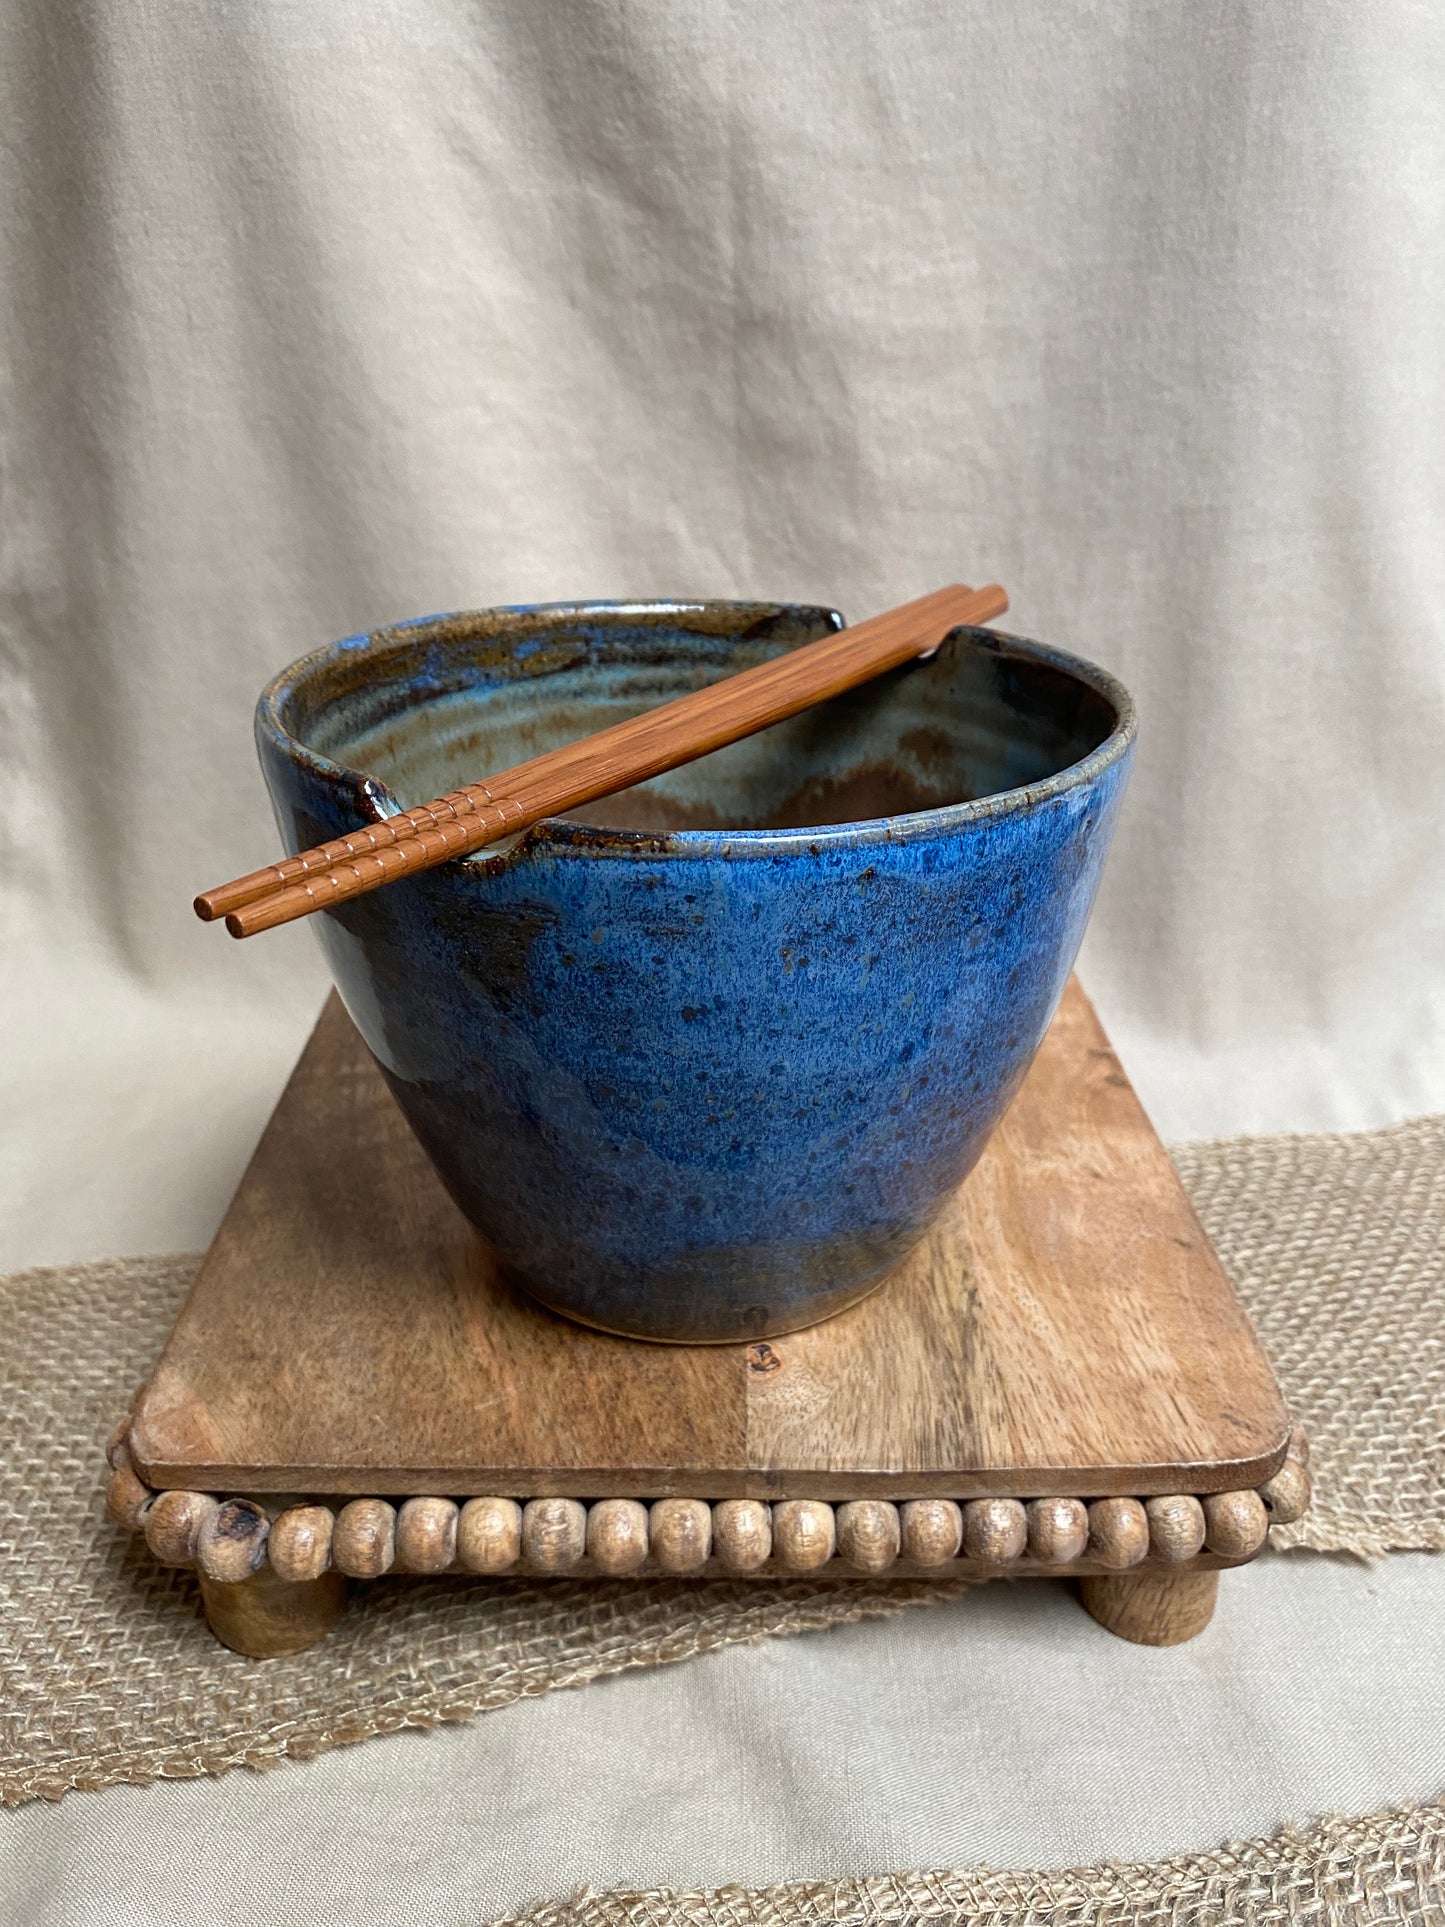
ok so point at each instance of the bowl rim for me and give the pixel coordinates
(564, 837)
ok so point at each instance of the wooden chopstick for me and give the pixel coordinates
(477, 799)
(598, 765)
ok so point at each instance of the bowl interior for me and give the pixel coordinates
(445, 703)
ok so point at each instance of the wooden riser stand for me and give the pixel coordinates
(1060, 1382)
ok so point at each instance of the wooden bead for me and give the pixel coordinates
(300, 1542)
(1287, 1494)
(995, 1531)
(231, 1543)
(1058, 1530)
(1299, 1445)
(554, 1533)
(1176, 1528)
(742, 1534)
(1118, 1533)
(1235, 1524)
(869, 1534)
(117, 1446)
(127, 1498)
(173, 1525)
(804, 1534)
(426, 1535)
(363, 1541)
(931, 1530)
(489, 1535)
(681, 1531)
(617, 1535)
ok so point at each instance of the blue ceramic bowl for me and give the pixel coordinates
(705, 1062)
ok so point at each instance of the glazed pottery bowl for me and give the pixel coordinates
(704, 1063)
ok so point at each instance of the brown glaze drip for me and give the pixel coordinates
(876, 789)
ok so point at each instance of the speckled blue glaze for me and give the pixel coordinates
(707, 1083)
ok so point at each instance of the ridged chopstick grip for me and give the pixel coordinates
(629, 752)
(460, 804)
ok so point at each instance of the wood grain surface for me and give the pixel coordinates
(1065, 1329)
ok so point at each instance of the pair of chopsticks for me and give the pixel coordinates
(599, 765)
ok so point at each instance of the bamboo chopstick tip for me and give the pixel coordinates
(283, 906)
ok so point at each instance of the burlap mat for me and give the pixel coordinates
(1337, 1247)
(1384, 1871)
(108, 1674)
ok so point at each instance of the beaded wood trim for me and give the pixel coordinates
(229, 1539)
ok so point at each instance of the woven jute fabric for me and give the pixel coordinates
(1384, 1871)
(108, 1674)
(108, 1671)
(1336, 1244)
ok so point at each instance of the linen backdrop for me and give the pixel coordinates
(318, 317)
(315, 317)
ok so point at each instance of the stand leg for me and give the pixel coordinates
(1153, 1608)
(264, 1616)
